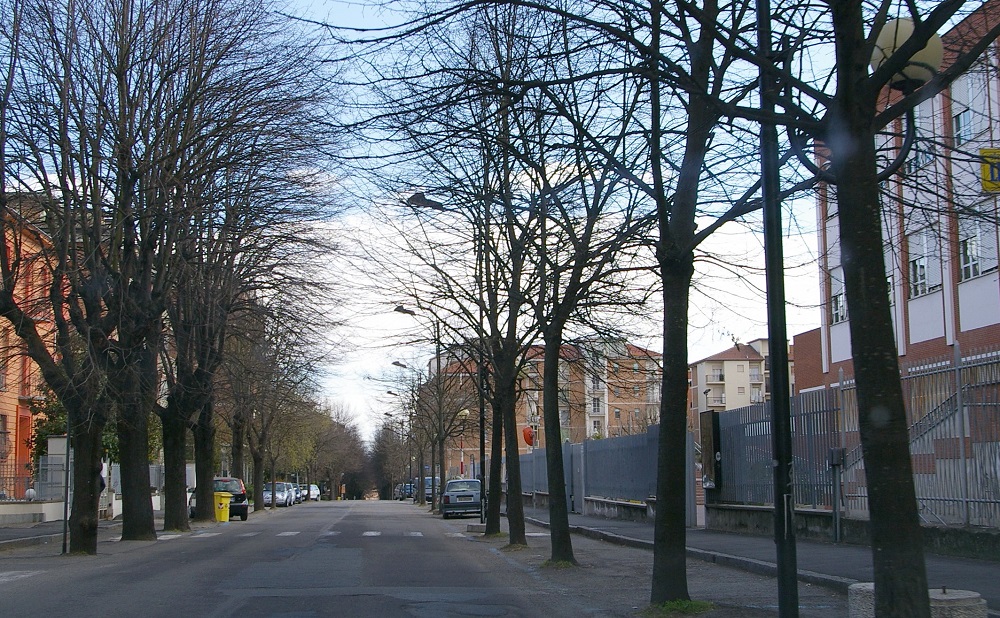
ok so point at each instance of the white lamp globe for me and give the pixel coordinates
(922, 65)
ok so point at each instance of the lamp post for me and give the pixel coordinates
(917, 71)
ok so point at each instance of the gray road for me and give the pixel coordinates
(318, 559)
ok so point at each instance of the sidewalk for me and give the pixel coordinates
(827, 564)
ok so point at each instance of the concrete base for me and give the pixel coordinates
(945, 603)
(480, 528)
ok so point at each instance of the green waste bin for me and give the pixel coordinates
(222, 499)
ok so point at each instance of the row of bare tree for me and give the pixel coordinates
(161, 186)
(580, 152)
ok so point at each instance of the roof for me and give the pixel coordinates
(740, 351)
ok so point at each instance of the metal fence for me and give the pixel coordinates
(953, 412)
(622, 468)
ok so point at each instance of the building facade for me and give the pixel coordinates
(939, 227)
(605, 390)
(20, 381)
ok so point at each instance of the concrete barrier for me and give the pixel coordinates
(945, 602)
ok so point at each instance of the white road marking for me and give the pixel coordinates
(331, 533)
(455, 535)
(287, 533)
(414, 534)
(167, 537)
(248, 534)
(372, 533)
(9, 576)
(202, 535)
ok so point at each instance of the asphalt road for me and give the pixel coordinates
(365, 558)
(316, 559)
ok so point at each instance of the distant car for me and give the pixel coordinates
(297, 492)
(283, 494)
(430, 484)
(406, 491)
(461, 496)
(239, 504)
(310, 492)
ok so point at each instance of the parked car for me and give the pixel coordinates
(405, 491)
(461, 496)
(309, 492)
(430, 484)
(239, 504)
(283, 494)
(297, 492)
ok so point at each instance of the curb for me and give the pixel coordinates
(30, 541)
(760, 567)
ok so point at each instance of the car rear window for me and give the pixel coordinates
(463, 486)
(230, 485)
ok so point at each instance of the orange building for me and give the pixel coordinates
(19, 379)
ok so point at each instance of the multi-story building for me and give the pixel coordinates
(605, 390)
(940, 228)
(19, 379)
(732, 378)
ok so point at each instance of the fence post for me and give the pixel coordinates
(963, 468)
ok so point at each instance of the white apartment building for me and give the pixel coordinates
(731, 379)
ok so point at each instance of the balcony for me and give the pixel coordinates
(756, 376)
(715, 377)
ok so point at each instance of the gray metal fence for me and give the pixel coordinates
(622, 468)
(953, 410)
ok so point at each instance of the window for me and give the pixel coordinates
(977, 247)
(925, 263)
(597, 428)
(595, 382)
(838, 309)
(755, 395)
(838, 300)
(618, 413)
(740, 369)
(969, 250)
(962, 124)
(635, 367)
(741, 390)
(617, 391)
(635, 391)
(595, 404)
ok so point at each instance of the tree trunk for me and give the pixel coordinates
(239, 446)
(669, 551)
(204, 462)
(86, 444)
(133, 446)
(258, 481)
(562, 544)
(897, 539)
(505, 398)
(434, 475)
(496, 469)
(175, 509)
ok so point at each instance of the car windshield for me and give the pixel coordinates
(470, 485)
(230, 485)
(271, 486)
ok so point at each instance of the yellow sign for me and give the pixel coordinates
(990, 169)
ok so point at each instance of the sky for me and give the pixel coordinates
(724, 309)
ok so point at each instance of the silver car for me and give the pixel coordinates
(461, 496)
(283, 494)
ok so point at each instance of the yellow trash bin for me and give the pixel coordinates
(222, 499)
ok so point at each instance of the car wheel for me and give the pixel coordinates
(243, 516)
